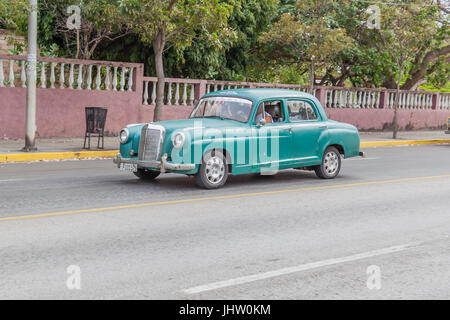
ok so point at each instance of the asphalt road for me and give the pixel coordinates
(290, 236)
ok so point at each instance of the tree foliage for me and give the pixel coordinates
(241, 39)
(100, 21)
(307, 37)
(14, 14)
(160, 23)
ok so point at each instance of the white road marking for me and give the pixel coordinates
(303, 267)
(11, 180)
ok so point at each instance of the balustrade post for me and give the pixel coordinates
(321, 96)
(43, 76)
(89, 78)
(23, 75)
(200, 89)
(80, 77)
(52, 75)
(62, 76)
(11, 74)
(146, 92)
(2, 75)
(435, 102)
(383, 99)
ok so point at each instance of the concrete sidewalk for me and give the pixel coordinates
(72, 148)
(405, 135)
(58, 145)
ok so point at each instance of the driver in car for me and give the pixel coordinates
(237, 112)
(267, 116)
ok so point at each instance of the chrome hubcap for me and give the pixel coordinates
(215, 170)
(331, 163)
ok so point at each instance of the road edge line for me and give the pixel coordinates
(55, 156)
(374, 144)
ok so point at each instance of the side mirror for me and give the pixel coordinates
(261, 123)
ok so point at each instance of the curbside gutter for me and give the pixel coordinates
(393, 143)
(91, 155)
(54, 156)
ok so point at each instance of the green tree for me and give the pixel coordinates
(175, 22)
(404, 32)
(304, 39)
(13, 14)
(101, 20)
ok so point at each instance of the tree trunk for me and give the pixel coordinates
(158, 48)
(311, 77)
(422, 67)
(77, 55)
(396, 104)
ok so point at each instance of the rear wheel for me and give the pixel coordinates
(213, 171)
(145, 174)
(331, 164)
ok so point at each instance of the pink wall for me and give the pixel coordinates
(60, 113)
(379, 119)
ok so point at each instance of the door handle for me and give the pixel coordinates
(290, 130)
(323, 127)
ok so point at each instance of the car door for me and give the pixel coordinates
(308, 130)
(274, 138)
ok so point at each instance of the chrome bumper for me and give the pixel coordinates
(163, 166)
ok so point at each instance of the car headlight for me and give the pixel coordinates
(124, 135)
(178, 140)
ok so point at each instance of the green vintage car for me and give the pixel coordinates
(238, 132)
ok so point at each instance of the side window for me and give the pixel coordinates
(311, 112)
(272, 110)
(301, 111)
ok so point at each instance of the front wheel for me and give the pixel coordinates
(213, 171)
(145, 174)
(331, 164)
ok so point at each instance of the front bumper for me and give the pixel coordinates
(162, 165)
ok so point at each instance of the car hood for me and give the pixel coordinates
(199, 123)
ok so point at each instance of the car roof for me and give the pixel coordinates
(258, 94)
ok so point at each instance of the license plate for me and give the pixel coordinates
(128, 167)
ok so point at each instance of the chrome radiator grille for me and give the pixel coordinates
(151, 143)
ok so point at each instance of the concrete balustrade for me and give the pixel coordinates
(181, 92)
(80, 74)
(177, 92)
(122, 77)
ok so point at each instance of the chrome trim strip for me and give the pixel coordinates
(163, 166)
(141, 142)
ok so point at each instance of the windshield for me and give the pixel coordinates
(223, 108)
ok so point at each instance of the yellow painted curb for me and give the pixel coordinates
(49, 156)
(374, 144)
